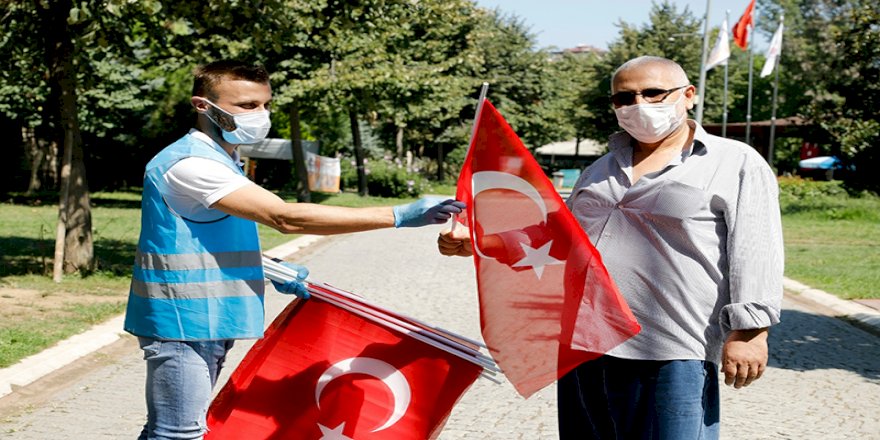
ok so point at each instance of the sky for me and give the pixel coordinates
(568, 23)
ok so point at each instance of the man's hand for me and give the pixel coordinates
(294, 286)
(456, 242)
(426, 211)
(744, 357)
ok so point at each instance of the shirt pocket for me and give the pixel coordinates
(673, 202)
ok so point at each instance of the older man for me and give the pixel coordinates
(688, 226)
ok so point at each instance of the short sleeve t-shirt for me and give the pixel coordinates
(196, 183)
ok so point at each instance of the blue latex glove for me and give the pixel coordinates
(295, 286)
(426, 211)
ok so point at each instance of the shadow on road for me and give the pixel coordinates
(804, 341)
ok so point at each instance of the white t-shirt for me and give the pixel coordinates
(196, 183)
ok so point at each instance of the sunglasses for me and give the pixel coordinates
(652, 96)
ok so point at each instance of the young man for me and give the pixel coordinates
(688, 225)
(198, 279)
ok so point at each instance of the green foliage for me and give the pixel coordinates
(826, 201)
(385, 178)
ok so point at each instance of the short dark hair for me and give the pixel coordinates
(207, 76)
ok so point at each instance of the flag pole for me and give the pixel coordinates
(724, 98)
(751, 63)
(483, 91)
(701, 93)
(775, 91)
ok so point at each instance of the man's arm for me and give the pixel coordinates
(255, 203)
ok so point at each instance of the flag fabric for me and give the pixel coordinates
(773, 52)
(547, 303)
(721, 52)
(322, 372)
(743, 27)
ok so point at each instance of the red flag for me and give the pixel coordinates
(547, 304)
(322, 372)
(743, 27)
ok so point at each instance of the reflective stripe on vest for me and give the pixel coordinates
(193, 280)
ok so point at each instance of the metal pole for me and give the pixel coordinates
(724, 98)
(751, 62)
(701, 92)
(773, 114)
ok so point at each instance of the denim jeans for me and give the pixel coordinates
(610, 398)
(180, 379)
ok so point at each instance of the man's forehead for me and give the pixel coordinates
(648, 74)
(238, 89)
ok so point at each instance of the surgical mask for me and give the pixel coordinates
(650, 123)
(241, 128)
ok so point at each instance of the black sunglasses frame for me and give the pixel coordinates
(622, 99)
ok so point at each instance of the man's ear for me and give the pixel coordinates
(690, 95)
(199, 104)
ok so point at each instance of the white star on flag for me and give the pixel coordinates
(537, 258)
(333, 434)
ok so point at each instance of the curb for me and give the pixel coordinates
(858, 314)
(34, 367)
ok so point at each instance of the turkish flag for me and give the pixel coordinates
(743, 27)
(547, 304)
(322, 372)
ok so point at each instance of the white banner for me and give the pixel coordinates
(323, 172)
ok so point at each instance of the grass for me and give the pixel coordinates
(832, 239)
(41, 312)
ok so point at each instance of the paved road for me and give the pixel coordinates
(823, 381)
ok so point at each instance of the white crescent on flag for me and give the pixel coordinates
(536, 258)
(381, 370)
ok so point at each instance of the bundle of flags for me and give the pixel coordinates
(339, 367)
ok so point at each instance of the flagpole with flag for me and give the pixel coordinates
(744, 35)
(483, 92)
(701, 93)
(774, 52)
(724, 99)
(719, 56)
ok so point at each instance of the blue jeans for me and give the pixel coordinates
(180, 379)
(610, 398)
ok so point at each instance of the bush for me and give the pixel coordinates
(385, 178)
(826, 200)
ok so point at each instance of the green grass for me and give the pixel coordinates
(832, 239)
(20, 338)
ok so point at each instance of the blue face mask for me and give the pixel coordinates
(240, 128)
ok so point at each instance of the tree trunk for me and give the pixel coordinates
(34, 156)
(441, 176)
(74, 249)
(398, 141)
(358, 153)
(303, 194)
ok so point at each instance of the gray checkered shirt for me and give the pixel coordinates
(695, 248)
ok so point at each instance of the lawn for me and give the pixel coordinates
(832, 240)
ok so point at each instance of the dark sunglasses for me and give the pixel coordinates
(650, 95)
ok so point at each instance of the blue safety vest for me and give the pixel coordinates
(194, 279)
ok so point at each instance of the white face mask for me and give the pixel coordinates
(650, 123)
(241, 128)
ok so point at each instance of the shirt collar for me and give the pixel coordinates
(236, 157)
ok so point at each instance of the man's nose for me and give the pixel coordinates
(639, 99)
